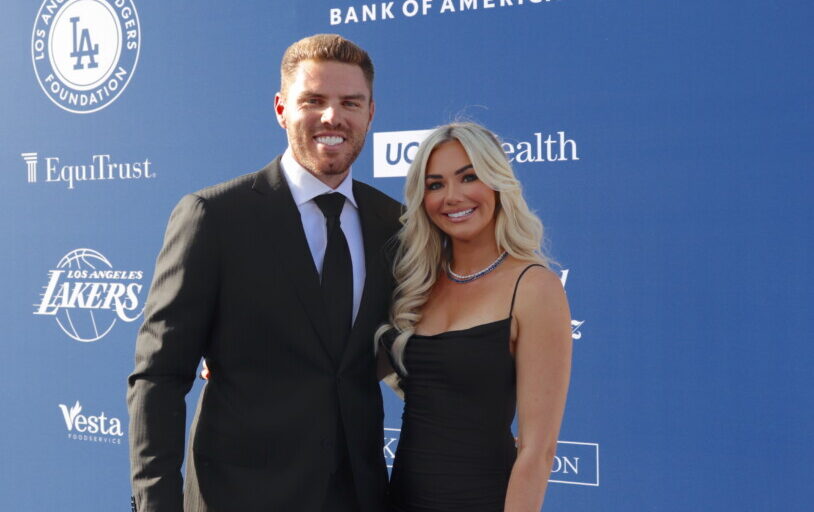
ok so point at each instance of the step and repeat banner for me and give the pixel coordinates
(665, 145)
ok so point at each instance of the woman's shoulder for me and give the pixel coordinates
(536, 285)
(528, 270)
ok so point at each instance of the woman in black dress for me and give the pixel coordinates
(479, 328)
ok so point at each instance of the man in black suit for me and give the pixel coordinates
(278, 280)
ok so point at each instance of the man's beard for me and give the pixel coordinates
(336, 165)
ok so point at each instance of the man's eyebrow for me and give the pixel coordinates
(459, 171)
(314, 94)
(306, 94)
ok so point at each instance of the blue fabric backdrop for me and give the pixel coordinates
(666, 146)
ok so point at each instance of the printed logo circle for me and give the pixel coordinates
(86, 295)
(85, 325)
(85, 51)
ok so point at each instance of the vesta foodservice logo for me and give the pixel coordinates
(97, 428)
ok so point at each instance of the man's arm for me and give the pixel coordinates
(170, 344)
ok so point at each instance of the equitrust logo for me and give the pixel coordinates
(393, 152)
(575, 463)
(97, 168)
(86, 295)
(85, 51)
(96, 427)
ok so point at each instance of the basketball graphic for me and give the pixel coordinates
(87, 296)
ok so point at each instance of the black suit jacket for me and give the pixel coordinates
(235, 283)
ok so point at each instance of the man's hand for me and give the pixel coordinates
(205, 371)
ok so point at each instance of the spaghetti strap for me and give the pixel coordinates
(514, 295)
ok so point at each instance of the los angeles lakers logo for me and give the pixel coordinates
(85, 51)
(86, 295)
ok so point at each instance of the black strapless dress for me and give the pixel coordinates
(456, 448)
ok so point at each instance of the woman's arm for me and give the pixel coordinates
(543, 361)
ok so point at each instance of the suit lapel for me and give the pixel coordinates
(280, 219)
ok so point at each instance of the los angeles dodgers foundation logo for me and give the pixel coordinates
(85, 51)
(86, 295)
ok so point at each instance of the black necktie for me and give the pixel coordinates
(337, 274)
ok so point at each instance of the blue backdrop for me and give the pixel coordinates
(666, 146)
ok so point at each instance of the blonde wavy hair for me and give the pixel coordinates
(423, 248)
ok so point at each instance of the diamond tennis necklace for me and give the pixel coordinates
(458, 278)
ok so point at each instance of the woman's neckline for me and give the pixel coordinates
(460, 331)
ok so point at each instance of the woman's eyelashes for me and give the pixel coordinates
(465, 178)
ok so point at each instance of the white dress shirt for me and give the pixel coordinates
(304, 188)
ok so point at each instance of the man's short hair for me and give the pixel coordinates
(322, 48)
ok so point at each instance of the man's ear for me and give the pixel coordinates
(279, 108)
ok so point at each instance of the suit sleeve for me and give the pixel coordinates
(169, 347)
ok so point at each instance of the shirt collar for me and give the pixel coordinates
(305, 186)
